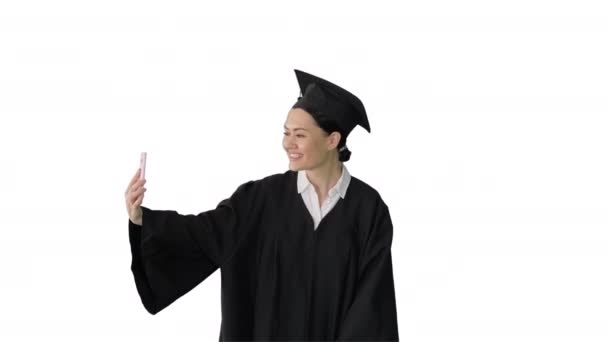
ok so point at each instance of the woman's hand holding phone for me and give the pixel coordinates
(134, 195)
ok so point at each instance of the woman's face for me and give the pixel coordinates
(306, 144)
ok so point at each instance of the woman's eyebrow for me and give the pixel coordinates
(297, 128)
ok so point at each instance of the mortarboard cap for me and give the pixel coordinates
(321, 97)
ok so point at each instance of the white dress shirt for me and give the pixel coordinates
(311, 199)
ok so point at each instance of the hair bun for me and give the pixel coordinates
(344, 154)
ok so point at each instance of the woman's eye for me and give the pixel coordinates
(297, 135)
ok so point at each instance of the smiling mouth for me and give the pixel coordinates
(294, 156)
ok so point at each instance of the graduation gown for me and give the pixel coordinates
(282, 280)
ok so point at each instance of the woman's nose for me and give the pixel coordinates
(289, 141)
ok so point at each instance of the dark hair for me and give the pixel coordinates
(329, 126)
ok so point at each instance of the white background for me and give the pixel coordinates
(488, 143)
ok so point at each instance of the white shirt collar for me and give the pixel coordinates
(340, 186)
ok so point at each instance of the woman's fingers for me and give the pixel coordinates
(135, 177)
(139, 200)
(135, 182)
(135, 195)
(135, 186)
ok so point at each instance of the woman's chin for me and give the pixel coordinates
(295, 166)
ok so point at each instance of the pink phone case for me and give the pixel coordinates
(142, 165)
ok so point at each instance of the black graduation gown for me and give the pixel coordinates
(282, 280)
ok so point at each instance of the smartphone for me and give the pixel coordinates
(142, 165)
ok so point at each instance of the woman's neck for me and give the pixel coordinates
(324, 177)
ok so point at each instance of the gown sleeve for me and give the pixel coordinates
(372, 315)
(172, 253)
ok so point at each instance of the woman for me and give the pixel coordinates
(304, 254)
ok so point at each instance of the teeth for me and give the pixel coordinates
(295, 155)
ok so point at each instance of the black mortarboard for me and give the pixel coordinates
(319, 96)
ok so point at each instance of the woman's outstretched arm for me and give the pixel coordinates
(172, 253)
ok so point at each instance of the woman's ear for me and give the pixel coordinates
(334, 140)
